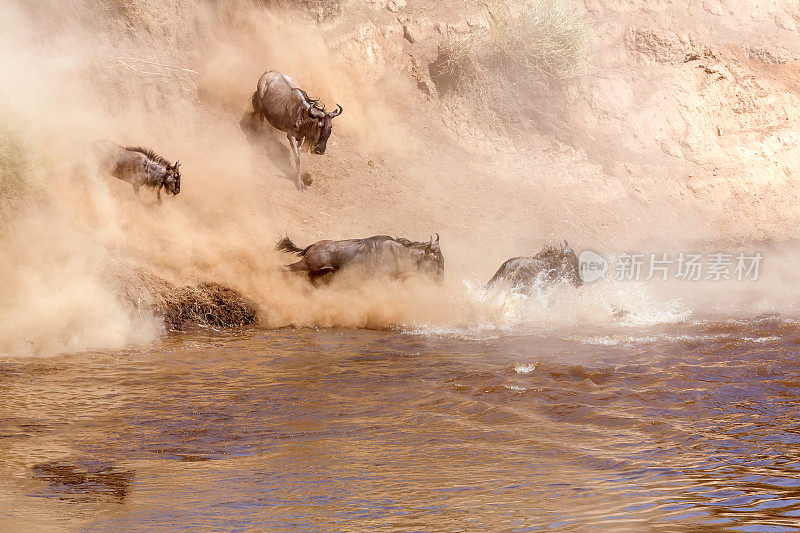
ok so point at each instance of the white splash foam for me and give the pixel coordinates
(563, 306)
(759, 339)
(524, 368)
(558, 309)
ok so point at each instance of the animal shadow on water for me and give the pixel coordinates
(273, 145)
(85, 481)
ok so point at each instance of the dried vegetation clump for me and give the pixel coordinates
(543, 40)
(205, 304)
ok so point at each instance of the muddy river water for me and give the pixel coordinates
(683, 426)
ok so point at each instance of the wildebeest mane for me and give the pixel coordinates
(150, 155)
(308, 129)
(411, 244)
(313, 102)
(548, 251)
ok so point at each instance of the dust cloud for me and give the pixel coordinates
(63, 90)
(178, 82)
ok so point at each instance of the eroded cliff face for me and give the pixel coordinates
(715, 84)
(681, 131)
(698, 103)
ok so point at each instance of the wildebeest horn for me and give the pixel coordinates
(177, 164)
(337, 112)
(433, 246)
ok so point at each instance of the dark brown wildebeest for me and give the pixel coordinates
(289, 109)
(138, 166)
(381, 254)
(548, 266)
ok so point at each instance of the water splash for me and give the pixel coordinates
(558, 308)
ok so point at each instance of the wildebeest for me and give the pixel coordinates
(381, 254)
(289, 109)
(138, 166)
(548, 266)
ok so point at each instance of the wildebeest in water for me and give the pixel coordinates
(548, 266)
(381, 254)
(289, 109)
(138, 166)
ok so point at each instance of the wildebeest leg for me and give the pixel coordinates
(314, 275)
(297, 267)
(158, 195)
(294, 145)
(136, 190)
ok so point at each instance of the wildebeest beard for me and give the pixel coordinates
(173, 185)
(315, 137)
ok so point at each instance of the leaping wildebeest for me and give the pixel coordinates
(381, 254)
(290, 110)
(138, 166)
(548, 266)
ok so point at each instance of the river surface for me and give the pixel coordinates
(690, 426)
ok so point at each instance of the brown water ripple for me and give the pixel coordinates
(685, 426)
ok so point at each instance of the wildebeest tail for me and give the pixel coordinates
(286, 245)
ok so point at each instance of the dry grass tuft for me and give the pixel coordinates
(539, 39)
(544, 38)
(136, 14)
(209, 304)
(457, 63)
(206, 304)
